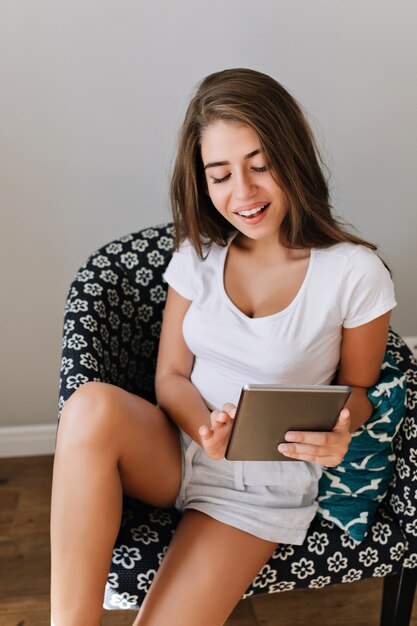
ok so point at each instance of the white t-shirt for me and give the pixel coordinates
(346, 285)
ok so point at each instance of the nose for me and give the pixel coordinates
(245, 186)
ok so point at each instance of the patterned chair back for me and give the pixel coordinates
(122, 283)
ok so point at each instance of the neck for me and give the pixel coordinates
(267, 248)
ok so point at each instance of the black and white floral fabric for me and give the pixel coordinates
(111, 330)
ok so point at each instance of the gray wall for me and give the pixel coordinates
(92, 94)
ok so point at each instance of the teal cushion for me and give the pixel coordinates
(349, 494)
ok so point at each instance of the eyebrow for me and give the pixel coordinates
(247, 156)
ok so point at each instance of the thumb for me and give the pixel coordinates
(343, 421)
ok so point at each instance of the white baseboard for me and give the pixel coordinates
(27, 440)
(40, 439)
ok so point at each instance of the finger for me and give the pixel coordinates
(213, 418)
(215, 441)
(205, 432)
(343, 421)
(314, 454)
(327, 461)
(230, 409)
(303, 449)
(218, 418)
(221, 417)
(321, 438)
(311, 437)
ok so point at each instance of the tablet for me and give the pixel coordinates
(266, 412)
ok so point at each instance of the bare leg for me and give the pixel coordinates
(109, 441)
(207, 568)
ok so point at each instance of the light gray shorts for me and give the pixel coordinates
(274, 500)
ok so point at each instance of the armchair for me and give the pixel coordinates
(111, 329)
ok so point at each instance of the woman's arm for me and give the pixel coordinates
(175, 393)
(362, 351)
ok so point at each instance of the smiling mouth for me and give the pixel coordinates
(254, 212)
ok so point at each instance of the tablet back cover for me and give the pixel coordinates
(266, 413)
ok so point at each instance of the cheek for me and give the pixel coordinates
(282, 196)
(218, 198)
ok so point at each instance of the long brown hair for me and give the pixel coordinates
(254, 99)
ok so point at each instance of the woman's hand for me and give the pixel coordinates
(326, 448)
(214, 440)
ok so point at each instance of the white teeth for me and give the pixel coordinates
(252, 211)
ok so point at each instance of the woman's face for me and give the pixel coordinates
(239, 181)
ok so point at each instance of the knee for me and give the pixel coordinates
(89, 416)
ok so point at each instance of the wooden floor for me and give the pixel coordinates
(24, 568)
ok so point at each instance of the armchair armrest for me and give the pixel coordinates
(400, 500)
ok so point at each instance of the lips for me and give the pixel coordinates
(251, 209)
(254, 213)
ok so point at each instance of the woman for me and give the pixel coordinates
(265, 286)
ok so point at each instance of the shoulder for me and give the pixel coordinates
(353, 260)
(186, 269)
(187, 253)
(360, 279)
(346, 251)
(366, 288)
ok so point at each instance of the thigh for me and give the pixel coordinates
(207, 568)
(123, 429)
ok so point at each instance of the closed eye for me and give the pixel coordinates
(216, 181)
(258, 170)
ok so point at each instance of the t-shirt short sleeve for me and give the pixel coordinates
(182, 271)
(368, 290)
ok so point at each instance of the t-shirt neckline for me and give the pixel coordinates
(272, 316)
